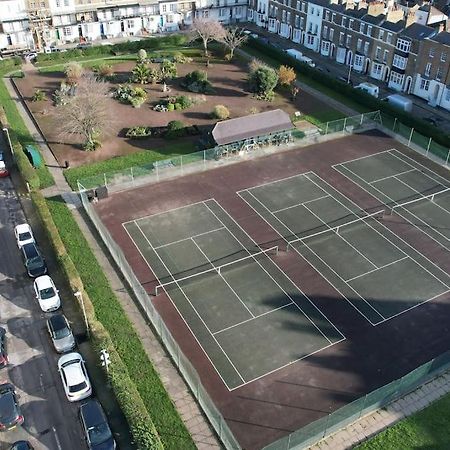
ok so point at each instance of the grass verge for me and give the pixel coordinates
(125, 162)
(427, 429)
(109, 312)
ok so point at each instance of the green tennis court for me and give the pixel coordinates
(249, 318)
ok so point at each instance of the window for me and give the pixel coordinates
(348, 40)
(205, 13)
(361, 27)
(302, 23)
(385, 55)
(389, 38)
(164, 8)
(439, 74)
(283, 16)
(350, 23)
(67, 31)
(432, 52)
(331, 34)
(327, 16)
(447, 94)
(58, 3)
(377, 69)
(427, 69)
(369, 30)
(341, 38)
(403, 46)
(310, 39)
(288, 17)
(325, 32)
(173, 7)
(312, 10)
(366, 48)
(344, 21)
(222, 12)
(130, 24)
(359, 61)
(303, 7)
(443, 56)
(66, 3)
(396, 78)
(381, 35)
(358, 45)
(378, 53)
(399, 62)
(326, 47)
(424, 84)
(333, 17)
(297, 21)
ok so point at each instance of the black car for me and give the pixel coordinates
(3, 352)
(10, 415)
(21, 445)
(33, 260)
(95, 426)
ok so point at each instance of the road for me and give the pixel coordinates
(50, 420)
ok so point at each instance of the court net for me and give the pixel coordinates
(418, 199)
(216, 270)
(337, 228)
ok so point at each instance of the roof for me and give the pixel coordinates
(246, 127)
(393, 26)
(418, 31)
(374, 20)
(442, 37)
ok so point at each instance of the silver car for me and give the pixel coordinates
(60, 333)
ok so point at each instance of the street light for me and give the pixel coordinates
(6, 131)
(350, 67)
(79, 296)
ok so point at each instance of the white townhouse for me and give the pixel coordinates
(14, 26)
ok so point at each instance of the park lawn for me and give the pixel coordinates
(125, 162)
(426, 430)
(88, 63)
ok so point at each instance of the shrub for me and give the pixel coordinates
(73, 72)
(140, 73)
(184, 101)
(138, 132)
(175, 129)
(38, 96)
(105, 71)
(220, 112)
(197, 81)
(168, 69)
(142, 55)
(255, 64)
(178, 106)
(262, 82)
(128, 94)
(286, 75)
(170, 107)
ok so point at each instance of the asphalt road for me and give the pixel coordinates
(51, 422)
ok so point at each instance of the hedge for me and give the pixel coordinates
(119, 336)
(358, 96)
(138, 418)
(151, 43)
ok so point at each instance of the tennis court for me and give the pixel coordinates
(380, 274)
(249, 318)
(412, 191)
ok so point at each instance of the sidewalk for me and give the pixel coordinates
(196, 423)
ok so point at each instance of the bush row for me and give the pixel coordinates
(366, 100)
(153, 419)
(139, 420)
(151, 43)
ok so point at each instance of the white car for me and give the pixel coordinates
(46, 293)
(74, 377)
(24, 235)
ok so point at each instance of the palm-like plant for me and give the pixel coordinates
(140, 74)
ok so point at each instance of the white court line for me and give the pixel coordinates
(390, 176)
(253, 318)
(299, 204)
(162, 212)
(192, 306)
(303, 257)
(187, 239)
(343, 238)
(270, 276)
(394, 203)
(363, 157)
(398, 237)
(378, 268)
(225, 281)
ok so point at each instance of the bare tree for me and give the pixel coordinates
(207, 30)
(233, 38)
(87, 113)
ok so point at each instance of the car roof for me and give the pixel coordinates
(74, 374)
(57, 322)
(92, 413)
(43, 282)
(30, 250)
(23, 227)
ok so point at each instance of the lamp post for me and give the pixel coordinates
(350, 67)
(79, 296)
(6, 131)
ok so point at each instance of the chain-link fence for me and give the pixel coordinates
(207, 159)
(180, 360)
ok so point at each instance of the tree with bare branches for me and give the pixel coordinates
(207, 30)
(87, 113)
(232, 39)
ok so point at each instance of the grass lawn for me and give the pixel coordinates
(125, 162)
(21, 131)
(425, 430)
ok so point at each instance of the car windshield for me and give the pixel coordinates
(8, 410)
(100, 433)
(61, 333)
(34, 263)
(24, 236)
(47, 293)
(78, 387)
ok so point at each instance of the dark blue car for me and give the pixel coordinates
(95, 426)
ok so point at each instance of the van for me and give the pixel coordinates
(306, 60)
(294, 53)
(403, 103)
(369, 88)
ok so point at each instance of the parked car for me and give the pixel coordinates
(74, 377)
(84, 45)
(369, 88)
(24, 234)
(435, 121)
(95, 426)
(46, 293)
(33, 260)
(4, 172)
(401, 102)
(10, 415)
(60, 333)
(3, 352)
(21, 445)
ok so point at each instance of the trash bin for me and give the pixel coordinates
(33, 155)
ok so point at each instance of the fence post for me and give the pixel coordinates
(345, 124)
(181, 164)
(157, 171)
(448, 154)
(362, 119)
(131, 172)
(204, 158)
(104, 178)
(410, 136)
(395, 123)
(428, 147)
